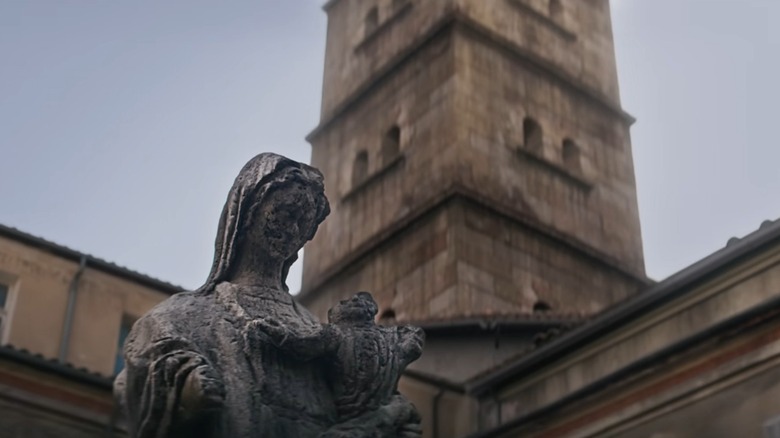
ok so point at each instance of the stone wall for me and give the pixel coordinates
(418, 100)
(459, 80)
(592, 201)
(577, 39)
(404, 275)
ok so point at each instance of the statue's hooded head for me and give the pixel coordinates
(249, 197)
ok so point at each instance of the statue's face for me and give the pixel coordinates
(287, 216)
(360, 308)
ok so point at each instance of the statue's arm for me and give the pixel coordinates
(168, 382)
(305, 343)
(412, 340)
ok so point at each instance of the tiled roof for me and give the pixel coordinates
(654, 296)
(92, 261)
(68, 370)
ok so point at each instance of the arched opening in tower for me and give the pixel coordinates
(391, 145)
(532, 135)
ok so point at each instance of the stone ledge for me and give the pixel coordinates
(576, 180)
(372, 36)
(454, 193)
(447, 23)
(543, 19)
(373, 178)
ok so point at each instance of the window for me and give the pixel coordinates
(124, 330)
(391, 145)
(360, 168)
(532, 135)
(372, 20)
(4, 293)
(398, 4)
(556, 9)
(571, 155)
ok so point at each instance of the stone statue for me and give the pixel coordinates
(240, 358)
(364, 381)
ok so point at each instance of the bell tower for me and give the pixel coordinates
(477, 161)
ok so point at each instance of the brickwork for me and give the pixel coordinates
(594, 203)
(475, 216)
(405, 275)
(354, 54)
(417, 99)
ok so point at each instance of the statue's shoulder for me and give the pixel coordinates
(182, 302)
(178, 309)
(170, 322)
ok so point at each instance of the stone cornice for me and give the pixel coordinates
(454, 19)
(455, 193)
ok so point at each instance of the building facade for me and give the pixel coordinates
(63, 318)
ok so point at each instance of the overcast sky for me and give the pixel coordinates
(123, 124)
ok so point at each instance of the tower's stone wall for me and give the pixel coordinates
(512, 189)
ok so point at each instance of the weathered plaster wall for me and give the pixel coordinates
(40, 286)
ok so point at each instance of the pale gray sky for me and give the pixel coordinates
(123, 124)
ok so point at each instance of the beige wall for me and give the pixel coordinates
(721, 371)
(40, 288)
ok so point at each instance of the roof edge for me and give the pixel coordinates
(632, 369)
(92, 261)
(38, 362)
(653, 297)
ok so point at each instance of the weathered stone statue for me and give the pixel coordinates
(365, 361)
(240, 358)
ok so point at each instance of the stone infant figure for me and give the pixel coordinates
(364, 360)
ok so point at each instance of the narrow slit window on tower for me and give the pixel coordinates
(556, 9)
(360, 168)
(391, 145)
(541, 306)
(387, 315)
(571, 155)
(532, 135)
(372, 20)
